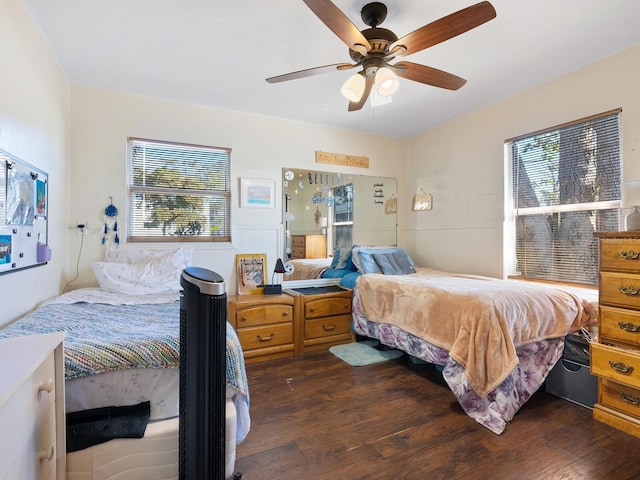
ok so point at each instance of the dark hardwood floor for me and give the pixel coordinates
(315, 417)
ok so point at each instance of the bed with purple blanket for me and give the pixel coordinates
(495, 340)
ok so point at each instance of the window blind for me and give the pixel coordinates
(563, 185)
(178, 192)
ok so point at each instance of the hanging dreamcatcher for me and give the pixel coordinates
(110, 224)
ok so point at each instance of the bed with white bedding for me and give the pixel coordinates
(122, 349)
(496, 340)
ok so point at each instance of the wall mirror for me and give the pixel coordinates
(323, 210)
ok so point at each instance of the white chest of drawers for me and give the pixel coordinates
(32, 416)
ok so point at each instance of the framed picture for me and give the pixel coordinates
(257, 193)
(251, 270)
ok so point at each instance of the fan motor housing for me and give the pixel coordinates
(380, 40)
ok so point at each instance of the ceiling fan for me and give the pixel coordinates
(373, 49)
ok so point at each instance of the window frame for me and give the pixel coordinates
(133, 190)
(512, 212)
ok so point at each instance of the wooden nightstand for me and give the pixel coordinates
(265, 325)
(324, 318)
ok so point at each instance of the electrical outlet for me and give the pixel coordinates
(81, 228)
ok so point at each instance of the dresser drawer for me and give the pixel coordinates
(263, 315)
(297, 252)
(327, 306)
(620, 255)
(620, 397)
(298, 240)
(618, 325)
(620, 289)
(617, 364)
(268, 336)
(325, 327)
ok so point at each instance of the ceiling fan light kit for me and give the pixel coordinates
(353, 87)
(374, 48)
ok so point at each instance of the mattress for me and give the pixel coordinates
(155, 456)
(159, 386)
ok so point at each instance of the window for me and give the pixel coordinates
(178, 192)
(562, 185)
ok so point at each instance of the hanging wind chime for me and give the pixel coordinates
(110, 223)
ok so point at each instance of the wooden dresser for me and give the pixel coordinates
(615, 358)
(308, 246)
(325, 318)
(265, 325)
(32, 413)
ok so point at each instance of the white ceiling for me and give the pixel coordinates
(220, 52)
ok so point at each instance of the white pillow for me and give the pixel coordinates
(160, 274)
(132, 257)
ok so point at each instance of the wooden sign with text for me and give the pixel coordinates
(340, 159)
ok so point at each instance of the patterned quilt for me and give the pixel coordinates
(102, 337)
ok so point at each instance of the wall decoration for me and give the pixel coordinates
(21, 199)
(391, 205)
(341, 159)
(5, 252)
(421, 201)
(257, 193)
(251, 270)
(41, 197)
(110, 229)
(23, 215)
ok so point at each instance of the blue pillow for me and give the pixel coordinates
(342, 258)
(394, 263)
(365, 262)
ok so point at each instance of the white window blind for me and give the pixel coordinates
(178, 192)
(563, 184)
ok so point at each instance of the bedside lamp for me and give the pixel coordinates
(323, 224)
(275, 288)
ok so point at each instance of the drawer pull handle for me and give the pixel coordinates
(312, 310)
(285, 314)
(621, 367)
(629, 290)
(47, 454)
(328, 329)
(632, 399)
(46, 386)
(630, 255)
(265, 339)
(629, 327)
(244, 319)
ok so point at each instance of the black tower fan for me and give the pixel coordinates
(203, 315)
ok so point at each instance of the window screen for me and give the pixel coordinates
(178, 192)
(563, 184)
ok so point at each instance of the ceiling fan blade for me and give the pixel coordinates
(309, 72)
(446, 28)
(339, 24)
(428, 75)
(353, 106)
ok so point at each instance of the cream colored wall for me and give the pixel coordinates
(461, 162)
(261, 146)
(34, 126)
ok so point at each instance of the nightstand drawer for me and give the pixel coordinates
(621, 325)
(622, 255)
(263, 337)
(618, 364)
(297, 252)
(621, 398)
(263, 315)
(327, 306)
(621, 289)
(324, 327)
